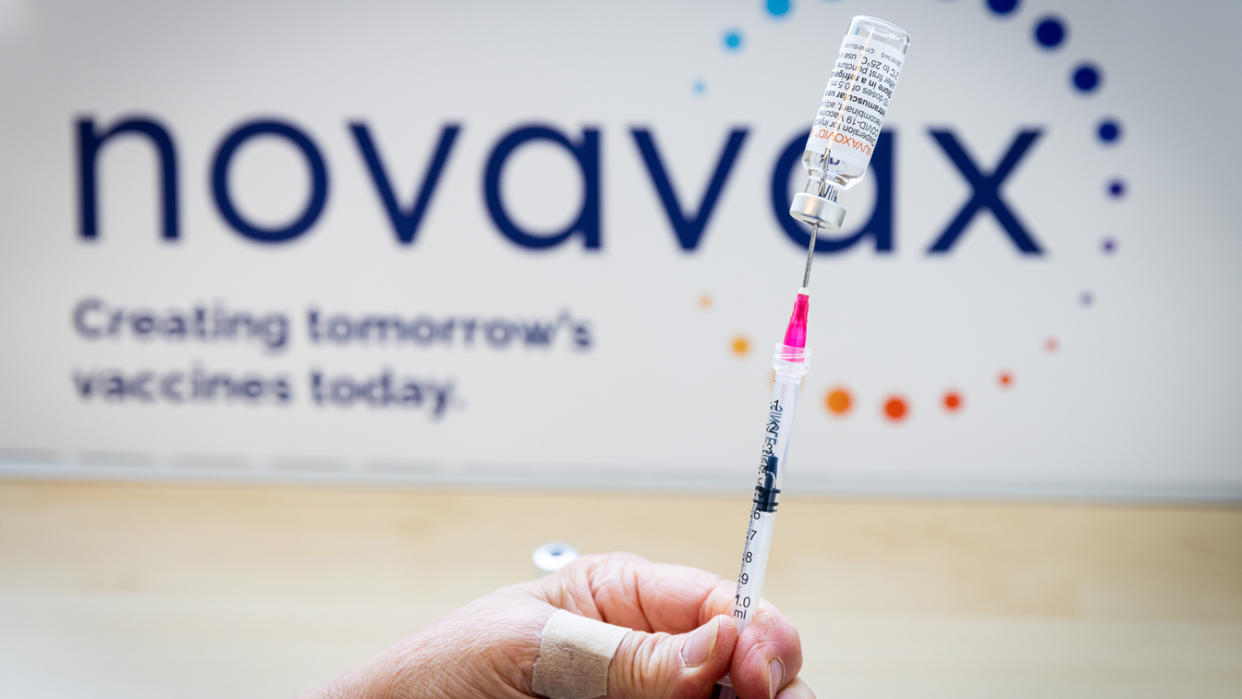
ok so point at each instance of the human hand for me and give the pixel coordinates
(682, 640)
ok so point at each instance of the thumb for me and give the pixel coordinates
(666, 665)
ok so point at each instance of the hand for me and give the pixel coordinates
(682, 642)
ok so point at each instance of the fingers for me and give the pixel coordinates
(628, 590)
(768, 655)
(676, 666)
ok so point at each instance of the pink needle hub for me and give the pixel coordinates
(795, 332)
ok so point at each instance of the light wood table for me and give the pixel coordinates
(122, 590)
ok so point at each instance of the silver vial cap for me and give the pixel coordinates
(811, 209)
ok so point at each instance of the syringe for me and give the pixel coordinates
(790, 363)
(837, 153)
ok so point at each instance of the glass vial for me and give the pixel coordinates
(850, 116)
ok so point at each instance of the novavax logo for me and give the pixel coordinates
(688, 217)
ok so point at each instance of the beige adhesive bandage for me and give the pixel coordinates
(574, 655)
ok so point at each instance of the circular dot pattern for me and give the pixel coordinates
(1086, 77)
(1002, 7)
(778, 8)
(1108, 130)
(839, 401)
(1050, 32)
(895, 408)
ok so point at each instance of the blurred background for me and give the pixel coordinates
(320, 317)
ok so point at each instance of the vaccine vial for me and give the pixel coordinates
(850, 115)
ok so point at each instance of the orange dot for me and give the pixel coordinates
(1006, 379)
(895, 408)
(952, 401)
(705, 301)
(839, 401)
(1051, 344)
(740, 345)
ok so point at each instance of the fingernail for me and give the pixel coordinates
(796, 690)
(776, 673)
(698, 648)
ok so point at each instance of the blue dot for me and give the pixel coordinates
(1117, 188)
(1086, 77)
(699, 87)
(1002, 7)
(777, 8)
(1085, 298)
(733, 40)
(1050, 32)
(1109, 130)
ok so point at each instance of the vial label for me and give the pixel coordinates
(850, 116)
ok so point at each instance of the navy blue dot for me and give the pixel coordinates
(777, 8)
(1117, 188)
(733, 40)
(1086, 77)
(1002, 7)
(1050, 32)
(1109, 130)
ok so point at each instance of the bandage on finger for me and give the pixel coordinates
(574, 655)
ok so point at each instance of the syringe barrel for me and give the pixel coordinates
(790, 364)
(851, 113)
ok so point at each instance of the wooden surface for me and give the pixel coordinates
(121, 590)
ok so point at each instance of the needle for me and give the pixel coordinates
(810, 257)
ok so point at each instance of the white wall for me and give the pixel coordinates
(1138, 400)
